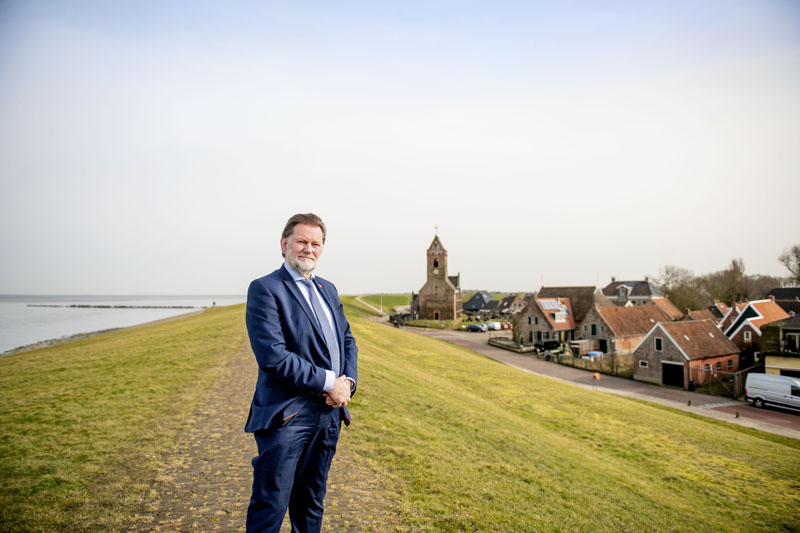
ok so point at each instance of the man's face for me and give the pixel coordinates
(302, 248)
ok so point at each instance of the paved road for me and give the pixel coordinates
(773, 421)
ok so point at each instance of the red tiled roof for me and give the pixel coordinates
(628, 321)
(699, 339)
(702, 314)
(668, 307)
(769, 311)
(567, 324)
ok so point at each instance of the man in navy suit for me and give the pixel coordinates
(306, 375)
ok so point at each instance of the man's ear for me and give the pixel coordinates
(284, 243)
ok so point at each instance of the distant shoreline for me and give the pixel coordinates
(78, 336)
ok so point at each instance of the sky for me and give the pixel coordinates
(160, 147)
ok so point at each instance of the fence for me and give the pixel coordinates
(722, 383)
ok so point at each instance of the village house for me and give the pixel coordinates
(544, 319)
(719, 309)
(701, 314)
(644, 292)
(745, 329)
(477, 302)
(730, 315)
(619, 329)
(440, 297)
(683, 354)
(513, 303)
(788, 298)
(780, 345)
(582, 299)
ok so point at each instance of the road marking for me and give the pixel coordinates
(719, 404)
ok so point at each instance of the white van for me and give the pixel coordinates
(494, 326)
(782, 391)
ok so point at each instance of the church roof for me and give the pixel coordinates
(436, 245)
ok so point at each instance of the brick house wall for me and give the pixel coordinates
(600, 332)
(700, 374)
(695, 370)
(532, 326)
(646, 351)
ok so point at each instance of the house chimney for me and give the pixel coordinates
(613, 279)
(646, 279)
(772, 297)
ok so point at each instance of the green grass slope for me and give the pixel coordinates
(82, 423)
(476, 445)
(466, 443)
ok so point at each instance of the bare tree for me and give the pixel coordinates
(681, 287)
(791, 260)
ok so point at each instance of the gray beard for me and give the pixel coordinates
(300, 269)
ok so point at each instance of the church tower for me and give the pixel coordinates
(440, 297)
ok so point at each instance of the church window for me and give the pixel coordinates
(435, 263)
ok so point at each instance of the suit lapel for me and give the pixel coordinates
(330, 300)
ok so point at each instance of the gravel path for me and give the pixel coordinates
(206, 479)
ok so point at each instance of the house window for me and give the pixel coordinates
(536, 320)
(659, 344)
(602, 328)
(584, 328)
(708, 368)
(529, 321)
(748, 336)
(561, 317)
(719, 365)
(643, 364)
(730, 364)
(594, 329)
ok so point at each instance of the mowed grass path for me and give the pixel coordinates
(476, 445)
(466, 443)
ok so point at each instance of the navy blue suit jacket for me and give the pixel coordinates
(290, 348)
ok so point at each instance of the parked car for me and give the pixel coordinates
(477, 327)
(772, 389)
(495, 326)
(506, 325)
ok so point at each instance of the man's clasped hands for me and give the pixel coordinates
(340, 394)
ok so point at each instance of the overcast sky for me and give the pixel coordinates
(159, 147)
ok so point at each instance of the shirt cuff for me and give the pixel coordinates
(330, 378)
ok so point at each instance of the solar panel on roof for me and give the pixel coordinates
(550, 304)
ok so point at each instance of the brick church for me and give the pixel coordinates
(440, 297)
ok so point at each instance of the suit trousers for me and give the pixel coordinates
(291, 469)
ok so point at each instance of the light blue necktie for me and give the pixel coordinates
(327, 331)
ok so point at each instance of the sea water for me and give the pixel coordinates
(28, 319)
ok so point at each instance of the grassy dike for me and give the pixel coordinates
(82, 424)
(476, 445)
(465, 443)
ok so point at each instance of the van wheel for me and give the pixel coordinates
(758, 402)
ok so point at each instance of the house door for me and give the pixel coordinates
(602, 345)
(436, 315)
(672, 374)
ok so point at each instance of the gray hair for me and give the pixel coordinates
(303, 218)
